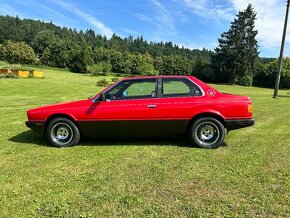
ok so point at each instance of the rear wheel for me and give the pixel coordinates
(62, 132)
(207, 132)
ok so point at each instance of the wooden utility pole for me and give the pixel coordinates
(278, 76)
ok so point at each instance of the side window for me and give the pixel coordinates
(133, 89)
(179, 88)
(141, 89)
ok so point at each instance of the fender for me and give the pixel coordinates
(208, 111)
(53, 115)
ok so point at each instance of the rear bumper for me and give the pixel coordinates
(238, 124)
(36, 126)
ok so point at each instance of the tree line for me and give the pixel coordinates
(48, 44)
(234, 61)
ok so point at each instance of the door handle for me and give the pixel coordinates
(151, 105)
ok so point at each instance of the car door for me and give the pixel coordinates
(179, 97)
(129, 108)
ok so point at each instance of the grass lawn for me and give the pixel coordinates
(248, 176)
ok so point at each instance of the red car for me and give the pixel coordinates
(146, 106)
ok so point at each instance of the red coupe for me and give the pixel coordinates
(146, 106)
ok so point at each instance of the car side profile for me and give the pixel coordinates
(146, 106)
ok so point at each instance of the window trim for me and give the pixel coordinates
(181, 96)
(133, 97)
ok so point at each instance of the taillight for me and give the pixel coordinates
(250, 108)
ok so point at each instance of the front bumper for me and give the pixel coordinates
(36, 126)
(238, 124)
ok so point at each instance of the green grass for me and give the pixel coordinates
(247, 177)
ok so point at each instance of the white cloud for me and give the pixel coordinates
(39, 7)
(164, 22)
(129, 31)
(8, 10)
(143, 17)
(270, 20)
(269, 23)
(210, 10)
(87, 17)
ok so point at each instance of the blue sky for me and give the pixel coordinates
(189, 23)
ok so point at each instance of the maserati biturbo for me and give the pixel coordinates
(146, 106)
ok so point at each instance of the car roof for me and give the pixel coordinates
(156, 77)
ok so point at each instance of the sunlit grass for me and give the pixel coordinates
(247, 177)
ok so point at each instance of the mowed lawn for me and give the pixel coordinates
(248, 176)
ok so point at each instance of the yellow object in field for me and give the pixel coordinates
(22, 73)
(36, 73)
(5, 71)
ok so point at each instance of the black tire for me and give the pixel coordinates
(62, 132)
(207, 132)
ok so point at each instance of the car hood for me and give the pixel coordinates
(65, 105)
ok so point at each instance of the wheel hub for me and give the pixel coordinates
(61, 133)
(207, 133)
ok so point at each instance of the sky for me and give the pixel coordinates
(189, 23)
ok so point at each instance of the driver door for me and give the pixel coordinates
(129, 109)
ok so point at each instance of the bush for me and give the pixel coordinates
(21, 68)
(115, 79)
(102, 83)
(102, 68)
(285, 79)
(8, 75)
(17, 52)
(246, 80)
(17, 67)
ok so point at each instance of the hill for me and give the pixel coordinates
(30, 41)
(66, 47)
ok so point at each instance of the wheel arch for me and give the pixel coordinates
(52, 116)
(214, 115)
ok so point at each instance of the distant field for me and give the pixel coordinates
(248, 176)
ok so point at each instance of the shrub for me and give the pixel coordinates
(102, 68)
(119, 74)
(17, 67)
(8, 75)
(17, 52)
(246, 80)
(102, 82)
(21, 68)
(115, 79)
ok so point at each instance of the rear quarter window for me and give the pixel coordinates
(179, 87)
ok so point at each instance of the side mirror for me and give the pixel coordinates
(103, 97)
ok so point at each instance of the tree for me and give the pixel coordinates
(82, 59)
(42, 40)
(204, 71)
(101, 54)
(265, 73)
(68, 47)
(61, 53)
(102, 68)
(158, 65)
(238, 49)
(142, 64)
(17, 52)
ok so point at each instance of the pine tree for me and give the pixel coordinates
(238, 49)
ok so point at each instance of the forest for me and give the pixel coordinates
(26, 41)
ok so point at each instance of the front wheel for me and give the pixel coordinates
(207, 132)
(62, 132)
